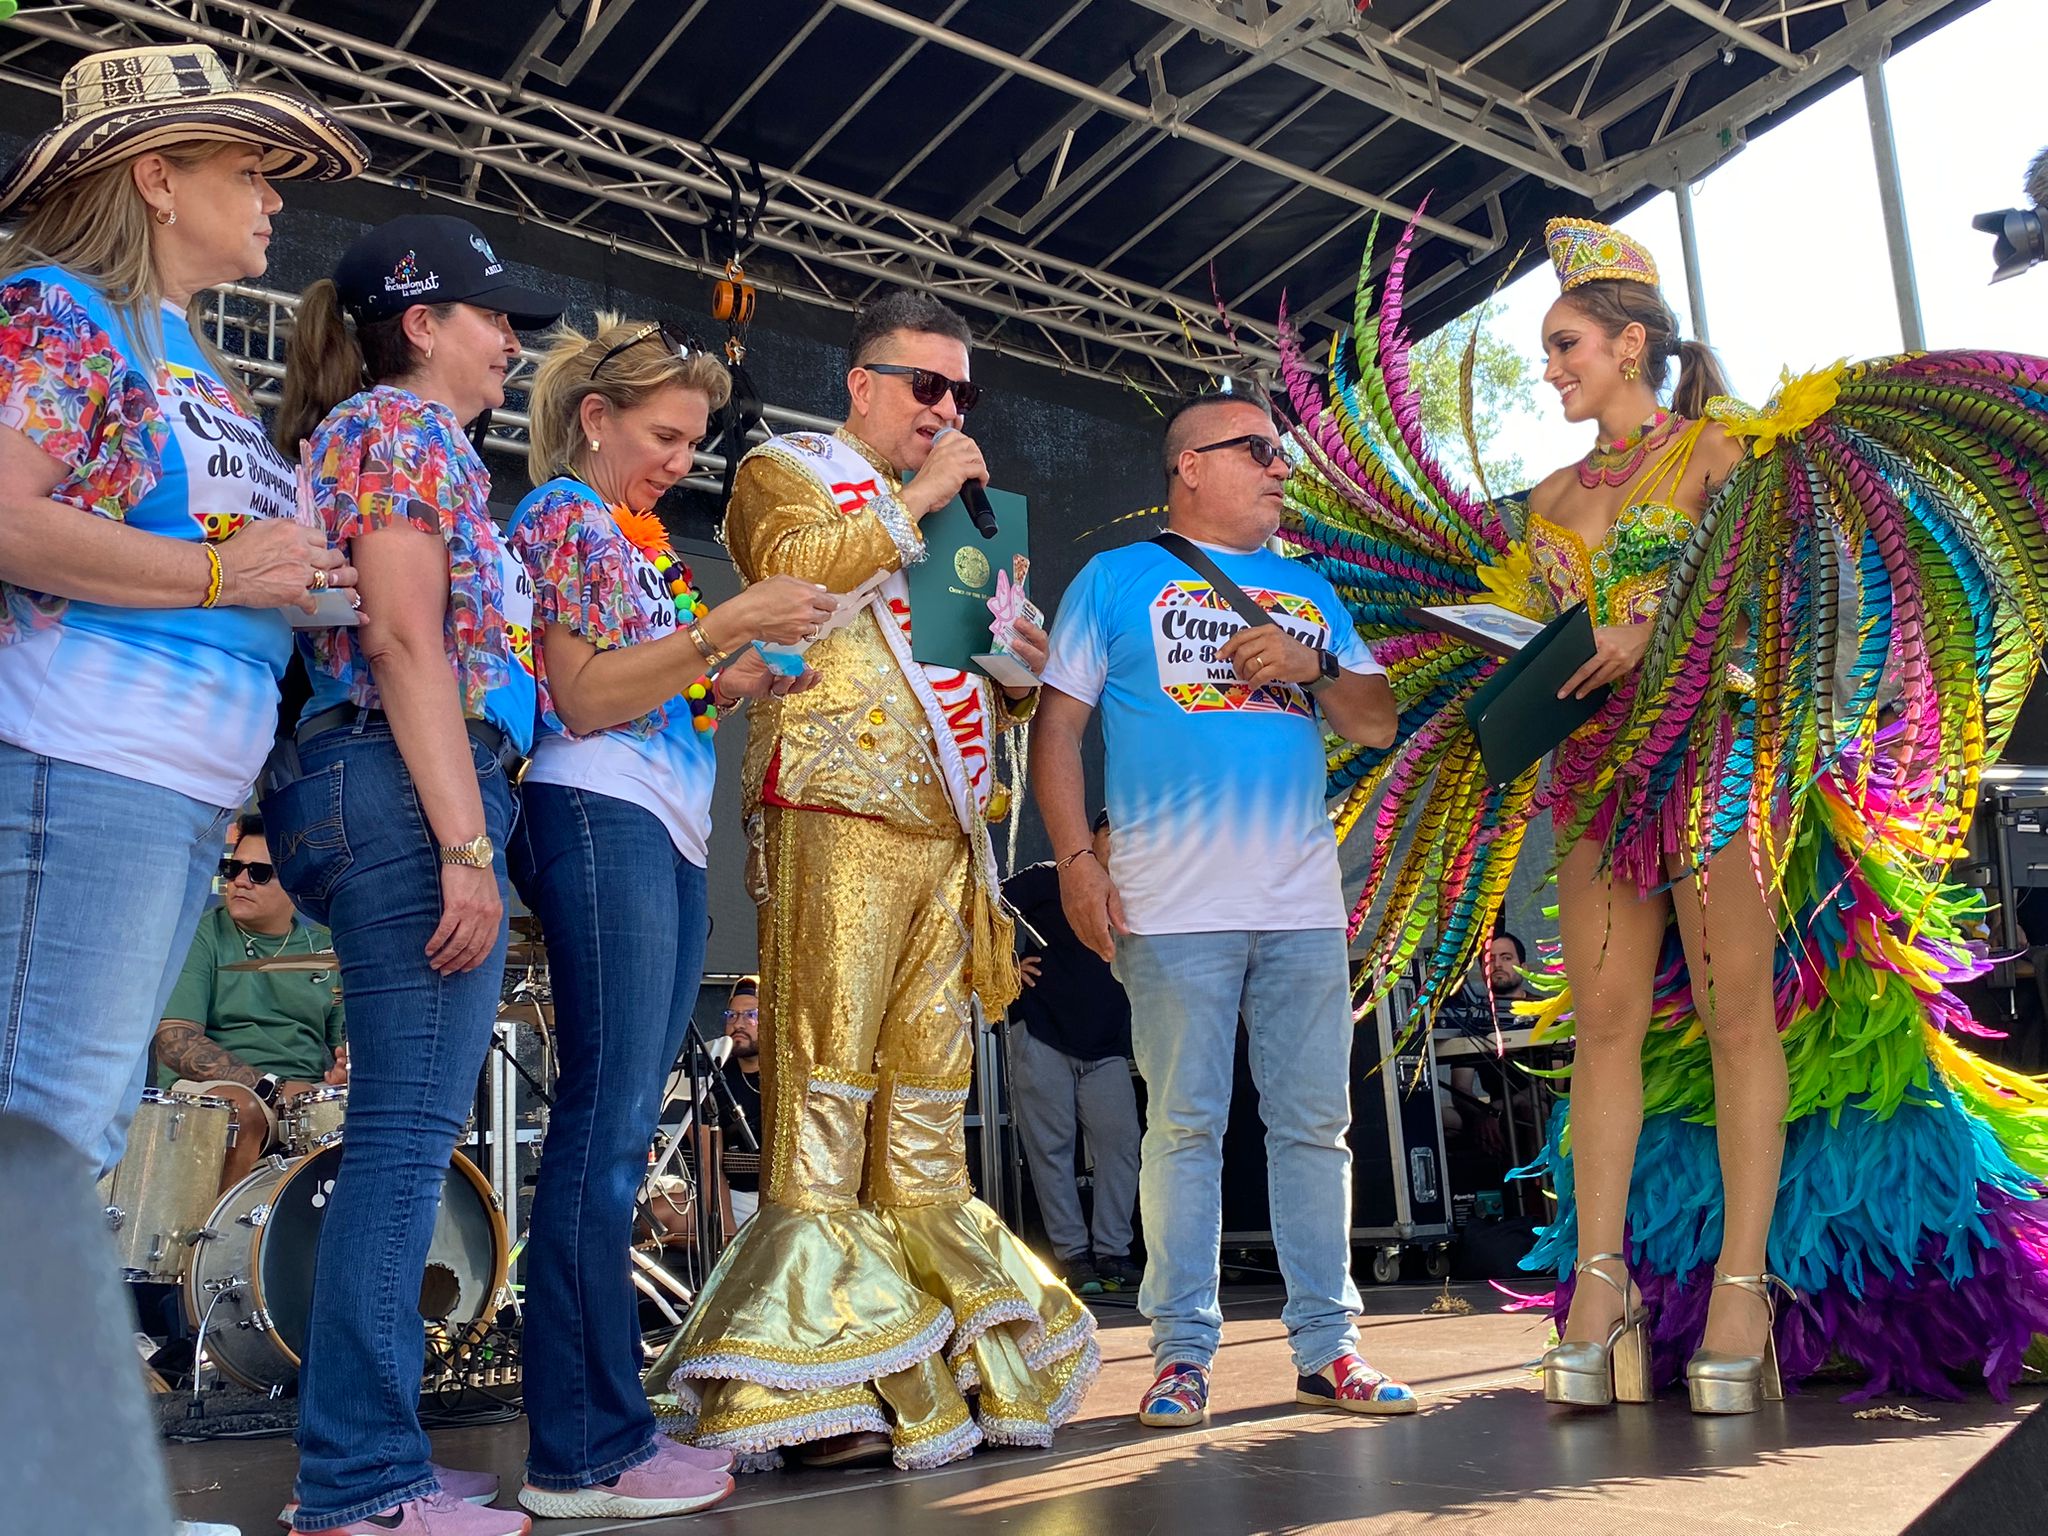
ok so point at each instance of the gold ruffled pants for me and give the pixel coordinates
(872, 1291)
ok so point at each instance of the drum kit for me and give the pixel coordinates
(244, 1258)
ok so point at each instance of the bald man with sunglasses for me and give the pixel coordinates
(254, 1038)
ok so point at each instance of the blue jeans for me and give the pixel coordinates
(1293, 991)
(353, 848)
(624, 915)
(102, 880)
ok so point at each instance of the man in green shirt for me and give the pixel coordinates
(254, 1038)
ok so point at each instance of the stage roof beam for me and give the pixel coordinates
(1008, 279)
(1323, 61)
(1172, 122)
(1739, 34)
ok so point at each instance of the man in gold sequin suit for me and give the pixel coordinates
(873, 1294)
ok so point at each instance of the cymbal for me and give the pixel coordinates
(319, 960)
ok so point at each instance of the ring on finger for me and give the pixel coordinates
(319, 583)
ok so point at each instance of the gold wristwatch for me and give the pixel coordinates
(476, 853)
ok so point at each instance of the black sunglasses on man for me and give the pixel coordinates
(258, 872)
(928, 388)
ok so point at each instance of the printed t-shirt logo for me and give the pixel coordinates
(1190, 624)
(233, 474)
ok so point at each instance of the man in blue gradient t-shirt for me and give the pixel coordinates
(1223, 896)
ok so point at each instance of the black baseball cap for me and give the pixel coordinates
(431, 258)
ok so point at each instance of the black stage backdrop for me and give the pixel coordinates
(1083, 451)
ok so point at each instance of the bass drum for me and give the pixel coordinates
(250, 1288)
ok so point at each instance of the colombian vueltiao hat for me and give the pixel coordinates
(129, 101)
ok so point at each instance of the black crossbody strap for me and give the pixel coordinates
(1196, 558)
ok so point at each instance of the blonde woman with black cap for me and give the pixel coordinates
(390, 826)
(147, 558)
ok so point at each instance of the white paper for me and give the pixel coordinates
(334, 609)
(1501, 625)
(1006, 669)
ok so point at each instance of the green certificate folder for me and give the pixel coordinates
(1517, 714)
(951, 586)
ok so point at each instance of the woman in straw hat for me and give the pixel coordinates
(147, 555)
(393, 830)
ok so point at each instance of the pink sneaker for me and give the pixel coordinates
(710, 1457)
(667, 1483)
(436, 1515)
(470, 1487)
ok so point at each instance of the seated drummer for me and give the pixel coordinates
(254, 1038)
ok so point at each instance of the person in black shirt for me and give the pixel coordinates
(1070, 1064)
(739, 1194)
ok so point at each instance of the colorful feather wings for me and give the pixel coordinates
(1905, 493)
(1371, 509)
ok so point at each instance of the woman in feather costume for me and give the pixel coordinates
(1818, 622)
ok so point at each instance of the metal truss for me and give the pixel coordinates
(251, 325)
(506, 145)
(633, 189)
(1552, 128)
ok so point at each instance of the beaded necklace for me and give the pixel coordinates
(1616, 463)
(643, 530)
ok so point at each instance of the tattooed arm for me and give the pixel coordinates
(183, 1047)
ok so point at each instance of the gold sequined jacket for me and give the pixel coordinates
(857, 742)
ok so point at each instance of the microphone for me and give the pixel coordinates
(975, 494)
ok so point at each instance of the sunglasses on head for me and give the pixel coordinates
(258, 873)
(928, 388)
(683, 347)
(1262, 449)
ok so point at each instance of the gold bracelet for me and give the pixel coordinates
(214, 578)
(713, 656)
(1079, 853)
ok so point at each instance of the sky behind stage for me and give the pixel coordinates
(1792, 247)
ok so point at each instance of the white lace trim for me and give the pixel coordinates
(1004, 1309)
(951, 1446)
(734, 1366)
(1042, 1351)
(932, 1095)
(833, 1088)
(798, 1429)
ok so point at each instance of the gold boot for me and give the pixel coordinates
(1587, 1375)
(1723, 1383)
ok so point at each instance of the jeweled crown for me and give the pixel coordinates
(1583, 251)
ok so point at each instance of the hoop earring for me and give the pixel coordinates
(165, 219)
(1631, 370)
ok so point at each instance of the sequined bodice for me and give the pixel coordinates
(1622, 579)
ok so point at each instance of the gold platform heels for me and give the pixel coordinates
(1723, 1383)
(1588, 1375)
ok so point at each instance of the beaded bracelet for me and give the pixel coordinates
(213, 580)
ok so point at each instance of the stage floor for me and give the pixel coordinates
(1485, 1455)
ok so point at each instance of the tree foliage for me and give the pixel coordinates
(1502, 384)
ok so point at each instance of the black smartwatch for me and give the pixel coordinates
(1328, 675)
(266, 1087)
